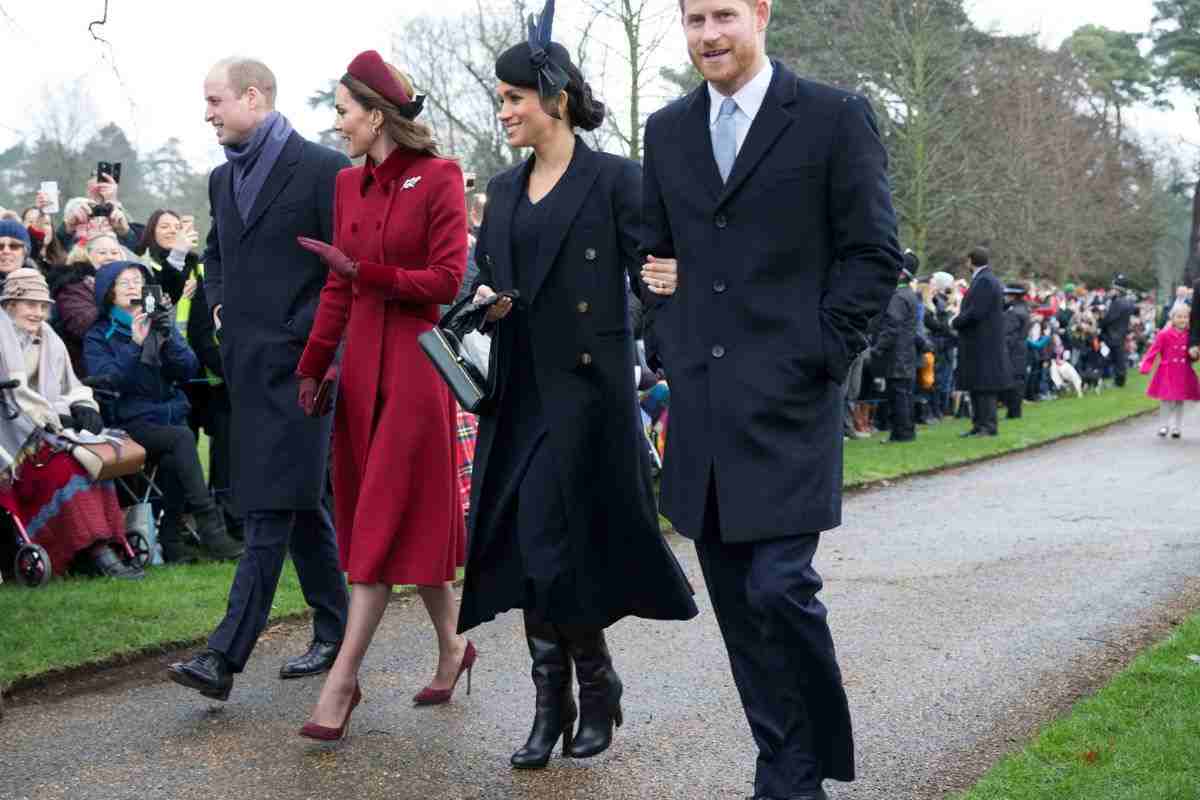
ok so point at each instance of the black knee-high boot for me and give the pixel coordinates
(555, 712)
(599, 691)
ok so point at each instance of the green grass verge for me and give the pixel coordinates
(75, 622)
(1135, 739)
(939, 445)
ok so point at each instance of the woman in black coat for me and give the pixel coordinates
(563, 522)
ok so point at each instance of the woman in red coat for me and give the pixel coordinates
(399, 251)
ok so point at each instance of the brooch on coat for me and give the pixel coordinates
(410, 183)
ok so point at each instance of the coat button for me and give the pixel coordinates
(590, 254)
(721, 221)
(718, 351)
(583, 307)
(719, 286)
(585, 359)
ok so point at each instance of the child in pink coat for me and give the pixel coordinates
(1175, 381)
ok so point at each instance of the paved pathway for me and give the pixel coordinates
(958, 602)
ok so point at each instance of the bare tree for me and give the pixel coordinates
(641, 27)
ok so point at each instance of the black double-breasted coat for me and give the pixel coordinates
(582, 347)
(268, 287)
(781, 269)
(983, 362)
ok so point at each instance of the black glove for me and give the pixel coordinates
(86, 418)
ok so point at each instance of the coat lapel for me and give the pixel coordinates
(503, 207)
(695, 139)
(279, 177)
(769, 124)
(568, 200)
(230, 222)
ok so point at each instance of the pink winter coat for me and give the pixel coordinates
(1175, 379)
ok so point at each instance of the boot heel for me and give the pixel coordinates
(469, 670)
(618, 716)
(568, 736)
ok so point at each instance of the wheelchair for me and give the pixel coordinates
(31, 563)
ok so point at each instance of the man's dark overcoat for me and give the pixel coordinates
(583, 354)
(1114, 326)
(895, 353)
(781, 269)
(1017, 322)
(268, 287)
(983, 362)
(1194, 332)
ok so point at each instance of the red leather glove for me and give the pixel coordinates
(307, 398)
(335, 259)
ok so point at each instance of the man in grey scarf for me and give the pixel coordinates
(263, 289)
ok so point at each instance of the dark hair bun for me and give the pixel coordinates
(585, 110)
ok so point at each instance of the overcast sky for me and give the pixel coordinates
(162, 51)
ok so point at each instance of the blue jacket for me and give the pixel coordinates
(148, 394)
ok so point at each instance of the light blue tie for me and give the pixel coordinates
(725, 138)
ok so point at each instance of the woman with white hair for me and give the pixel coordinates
(937, 321)
(52, 489)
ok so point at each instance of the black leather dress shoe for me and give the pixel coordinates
(817, 794)
(206, 672)
(317, 659)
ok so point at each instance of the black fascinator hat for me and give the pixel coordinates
(538, 63)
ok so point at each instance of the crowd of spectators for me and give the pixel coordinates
(156, 372)
(1061, 341)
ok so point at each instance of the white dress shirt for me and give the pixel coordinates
(749, 100)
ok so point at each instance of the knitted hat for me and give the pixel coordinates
(15, 230)
(25, 284)
(370, 68)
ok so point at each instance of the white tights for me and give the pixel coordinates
(1172, 414)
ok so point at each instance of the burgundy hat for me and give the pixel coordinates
(369, 67)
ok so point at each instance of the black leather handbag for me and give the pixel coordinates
(473, 383)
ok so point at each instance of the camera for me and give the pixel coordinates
(110, 168)
(102, 210)
(469, 181)
(152, 302)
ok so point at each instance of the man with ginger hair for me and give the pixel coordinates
(263, 289)
(768, 195)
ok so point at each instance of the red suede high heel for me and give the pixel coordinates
(312, 730)
(436, 697)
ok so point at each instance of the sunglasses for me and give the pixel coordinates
(12, 245)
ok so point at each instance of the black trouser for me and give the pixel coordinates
(1119, 361)
(900, 400)
(1012, 397)
(180, 475)
(314, 552)
(764, 596)
(983, 412)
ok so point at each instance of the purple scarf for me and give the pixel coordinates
(254, 159)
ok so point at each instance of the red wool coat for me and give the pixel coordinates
(398, 513)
